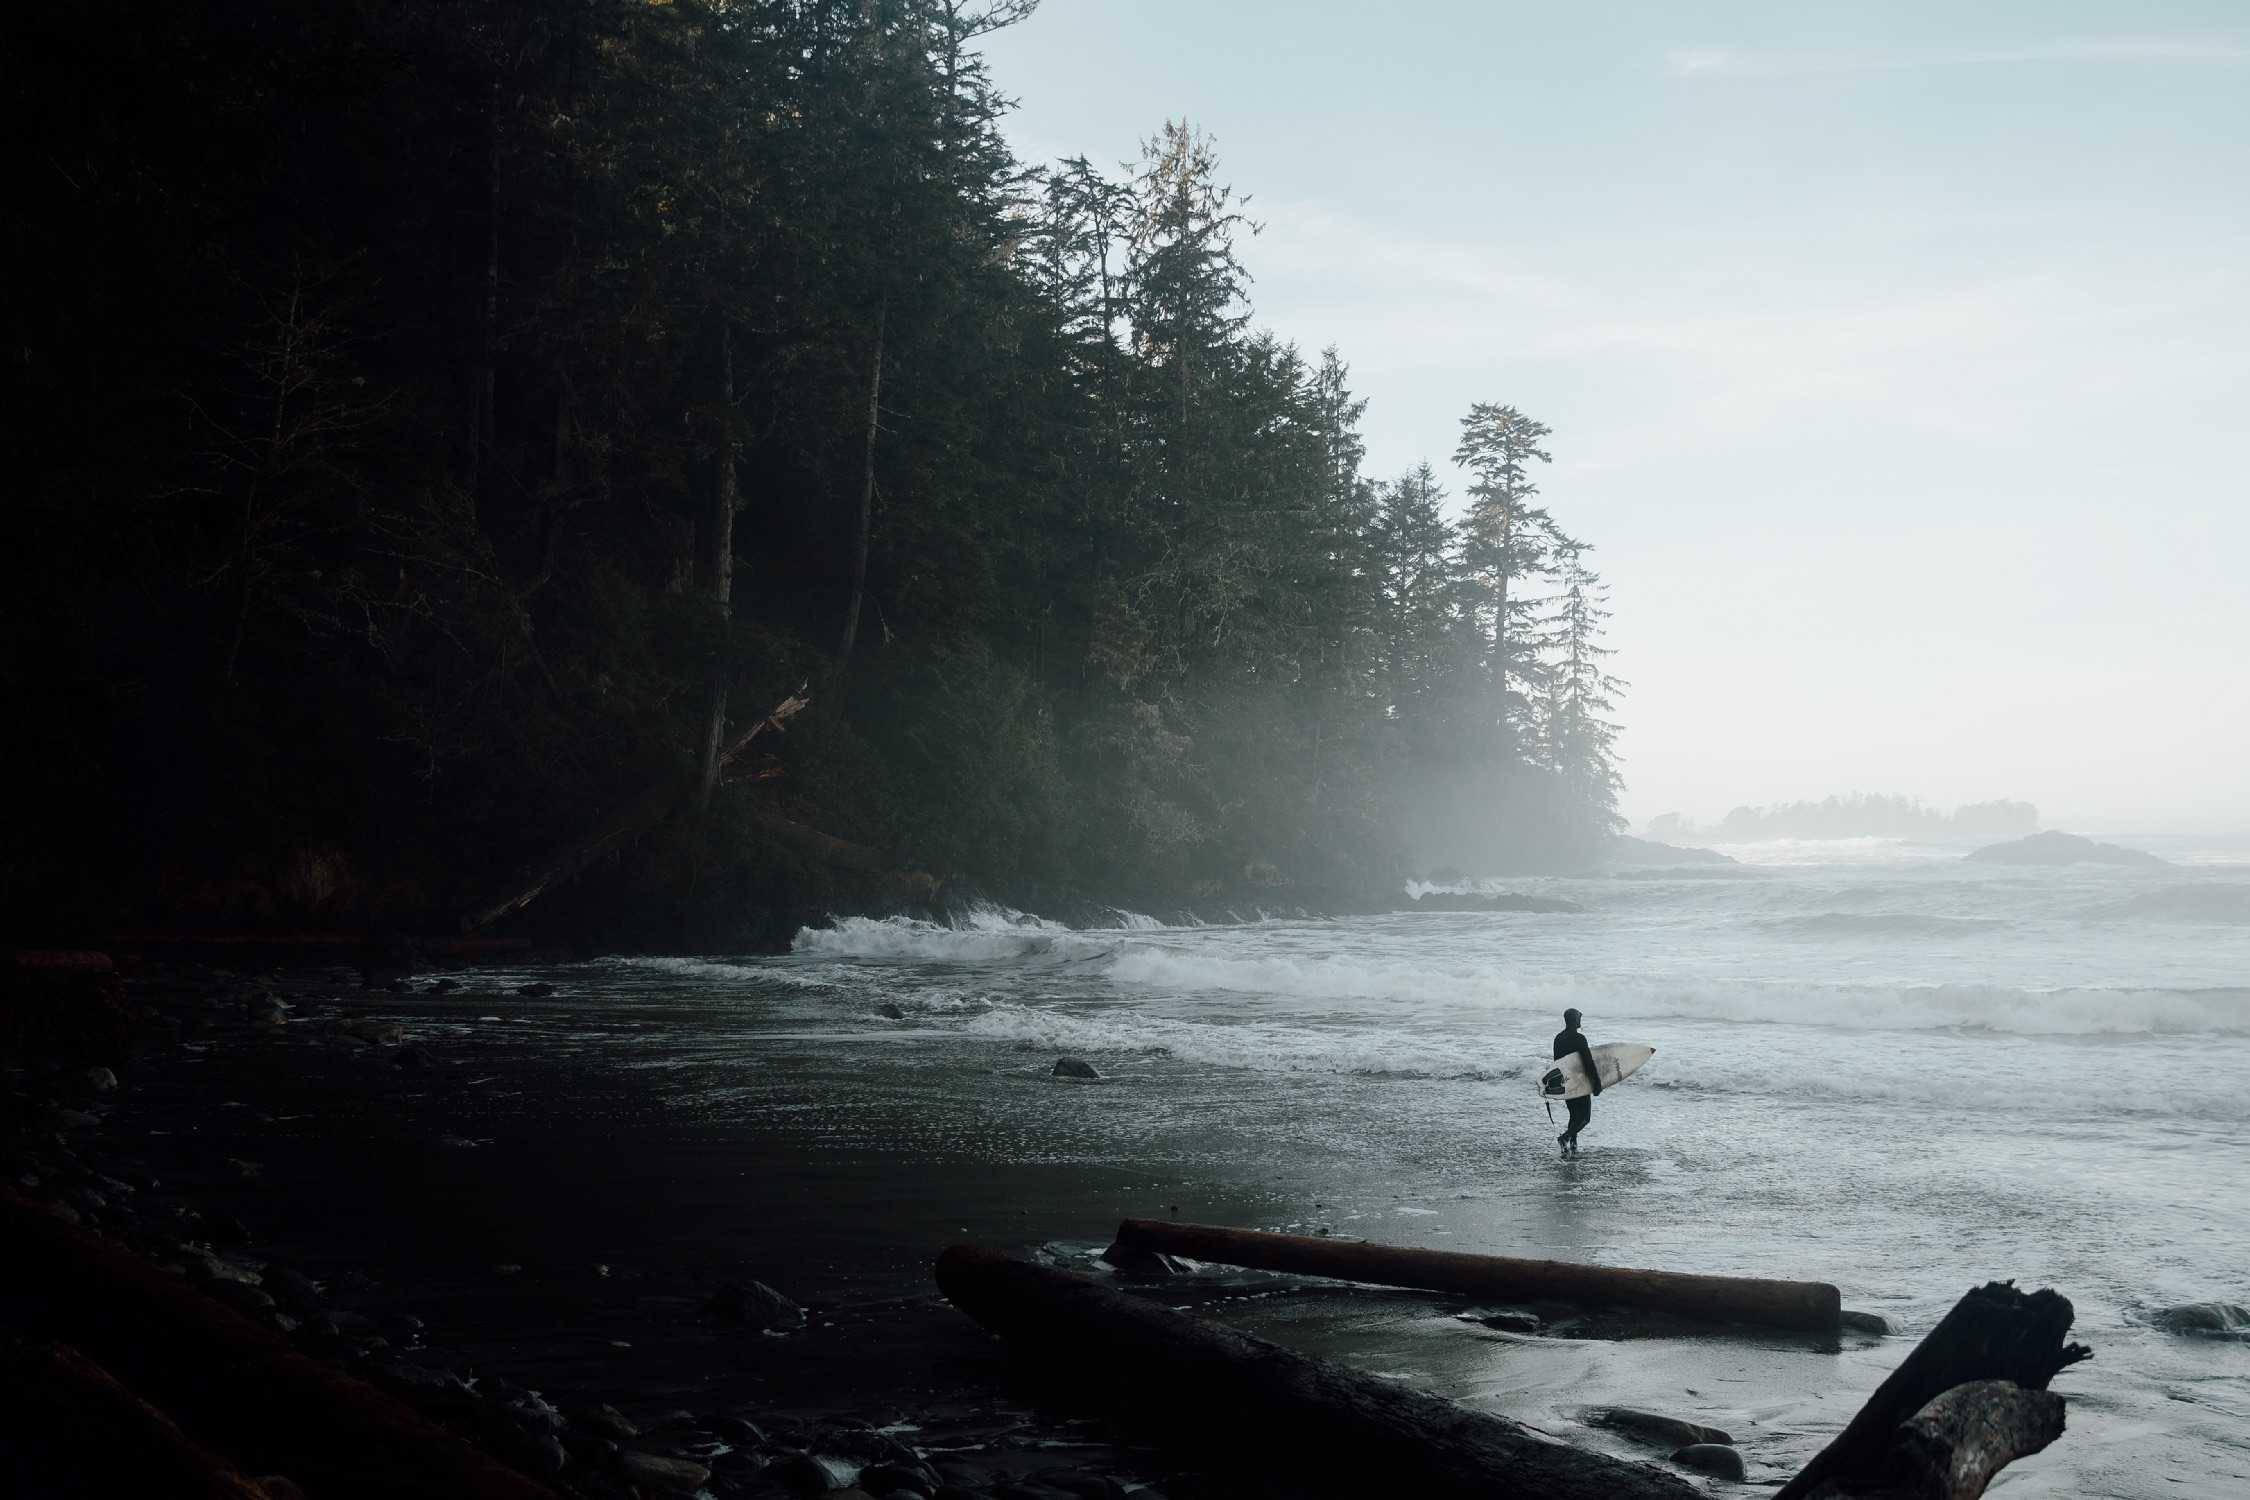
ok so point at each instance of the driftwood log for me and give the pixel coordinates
(1326, 1420)
(652, 806)
(63, 1416)
(1725, 1299)
(1970, 1399)
(232, 1387)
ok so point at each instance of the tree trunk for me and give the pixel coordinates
(1331, 1423)
(645, 811)
(1723, 1299)
(864, 523)
(1995, 1333)
(718, 573)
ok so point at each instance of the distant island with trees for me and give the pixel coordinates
(1860, 815)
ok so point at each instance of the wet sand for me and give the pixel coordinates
(547, 1223)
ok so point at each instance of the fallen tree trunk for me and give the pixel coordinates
(654, 804)
(1725, 1299)
(63, 1416)
(231, 1386)
(1994, 1334)
(829, 851)
(1325, 1419)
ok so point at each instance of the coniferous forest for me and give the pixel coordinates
(430, 423)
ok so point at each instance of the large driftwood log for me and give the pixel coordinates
(654, 804)
(1325, 1419)
(1734, 1299)
(232, 1387)
(1993, 1334)
(63, 1416)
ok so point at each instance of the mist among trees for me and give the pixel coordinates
(426, 423)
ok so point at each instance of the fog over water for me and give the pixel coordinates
(1875, 1065)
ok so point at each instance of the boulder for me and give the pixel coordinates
(754, 1306)
(2057, 848)
(2202, 1317)
(1712, 1458)
(810, 1475)
(1074, 1067)
(740, 1431)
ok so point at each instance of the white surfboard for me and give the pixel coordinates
(1615, 1061)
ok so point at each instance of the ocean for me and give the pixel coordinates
(1876, 1065)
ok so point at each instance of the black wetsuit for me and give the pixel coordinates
(1571, 1040)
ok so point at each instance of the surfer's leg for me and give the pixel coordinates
(1581, 1115)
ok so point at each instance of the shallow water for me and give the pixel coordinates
(1876, 1066)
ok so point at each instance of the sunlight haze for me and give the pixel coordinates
(1895, 355)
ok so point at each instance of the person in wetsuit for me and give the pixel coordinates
(1569, 1041)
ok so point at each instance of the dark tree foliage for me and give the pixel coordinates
(426, 422)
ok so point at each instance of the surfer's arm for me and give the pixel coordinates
(1593, 1074)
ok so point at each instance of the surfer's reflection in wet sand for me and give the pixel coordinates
(1567, 1041)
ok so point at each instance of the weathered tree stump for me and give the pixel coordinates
(1960, 1406)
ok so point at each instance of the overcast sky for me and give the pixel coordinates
(1897, 354)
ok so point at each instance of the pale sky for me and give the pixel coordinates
(1897, 354)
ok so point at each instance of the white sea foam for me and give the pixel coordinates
(983, 934)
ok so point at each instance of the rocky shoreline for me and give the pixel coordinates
(599, 1380)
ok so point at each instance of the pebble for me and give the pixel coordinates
(1664, 1429)
(239, 1296)
(671, 1475)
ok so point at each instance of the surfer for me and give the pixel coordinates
(1571, 1040)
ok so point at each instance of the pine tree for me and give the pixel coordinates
(1576, 738)
(1507, 540)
